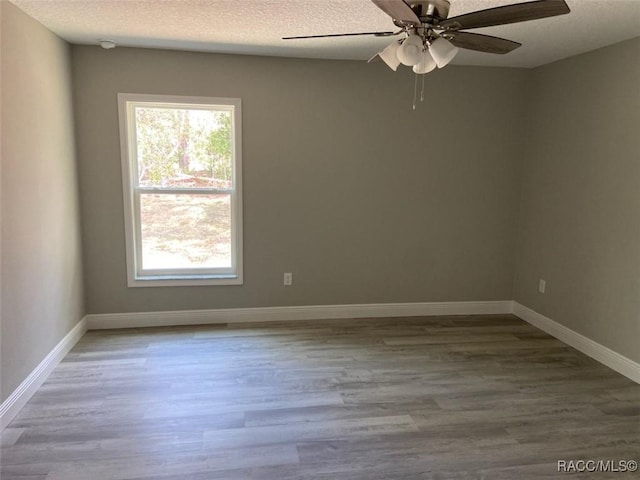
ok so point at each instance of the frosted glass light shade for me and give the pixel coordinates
(442, 52)
(426, 63)
(410, 52)
(390, 55)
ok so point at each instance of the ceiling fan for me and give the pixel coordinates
(430, 39)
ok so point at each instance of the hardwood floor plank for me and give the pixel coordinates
(321, 414)
(30, 471)
(184, 464)
(433, 339)
(300, 432)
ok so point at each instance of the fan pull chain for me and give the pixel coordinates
(415, 92)
(422, 91)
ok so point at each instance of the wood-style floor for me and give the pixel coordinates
(386, 399)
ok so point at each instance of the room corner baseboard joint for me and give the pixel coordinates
(591, 348)
(21, 395)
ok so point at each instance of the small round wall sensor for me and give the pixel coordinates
(107, 44)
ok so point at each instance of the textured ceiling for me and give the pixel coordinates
(256, 27)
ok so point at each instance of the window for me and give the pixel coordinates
(181, 170)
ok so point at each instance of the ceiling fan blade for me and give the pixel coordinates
(377, 34)
(376, 58)
(481, 43)
(398, 10)
(519, 12)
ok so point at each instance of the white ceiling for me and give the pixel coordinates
(256, 27)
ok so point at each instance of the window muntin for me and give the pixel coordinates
(182, 179)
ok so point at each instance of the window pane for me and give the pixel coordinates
(185, 231)
(184, 148)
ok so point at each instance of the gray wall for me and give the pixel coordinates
(41, 294)
(580, 218)
(364, 199)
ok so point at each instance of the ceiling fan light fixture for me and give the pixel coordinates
(410, 52)
(426, 64)
(442, 51)
(390, 55)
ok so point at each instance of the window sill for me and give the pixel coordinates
(185, 281)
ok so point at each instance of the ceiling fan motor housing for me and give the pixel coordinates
(429, 10)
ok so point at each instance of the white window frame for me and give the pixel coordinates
(136, 276)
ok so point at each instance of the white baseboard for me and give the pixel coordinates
(21, 395)
(602, 354)
(275, 314)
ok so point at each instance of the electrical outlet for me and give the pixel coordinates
(542, 286)
(288, 279)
